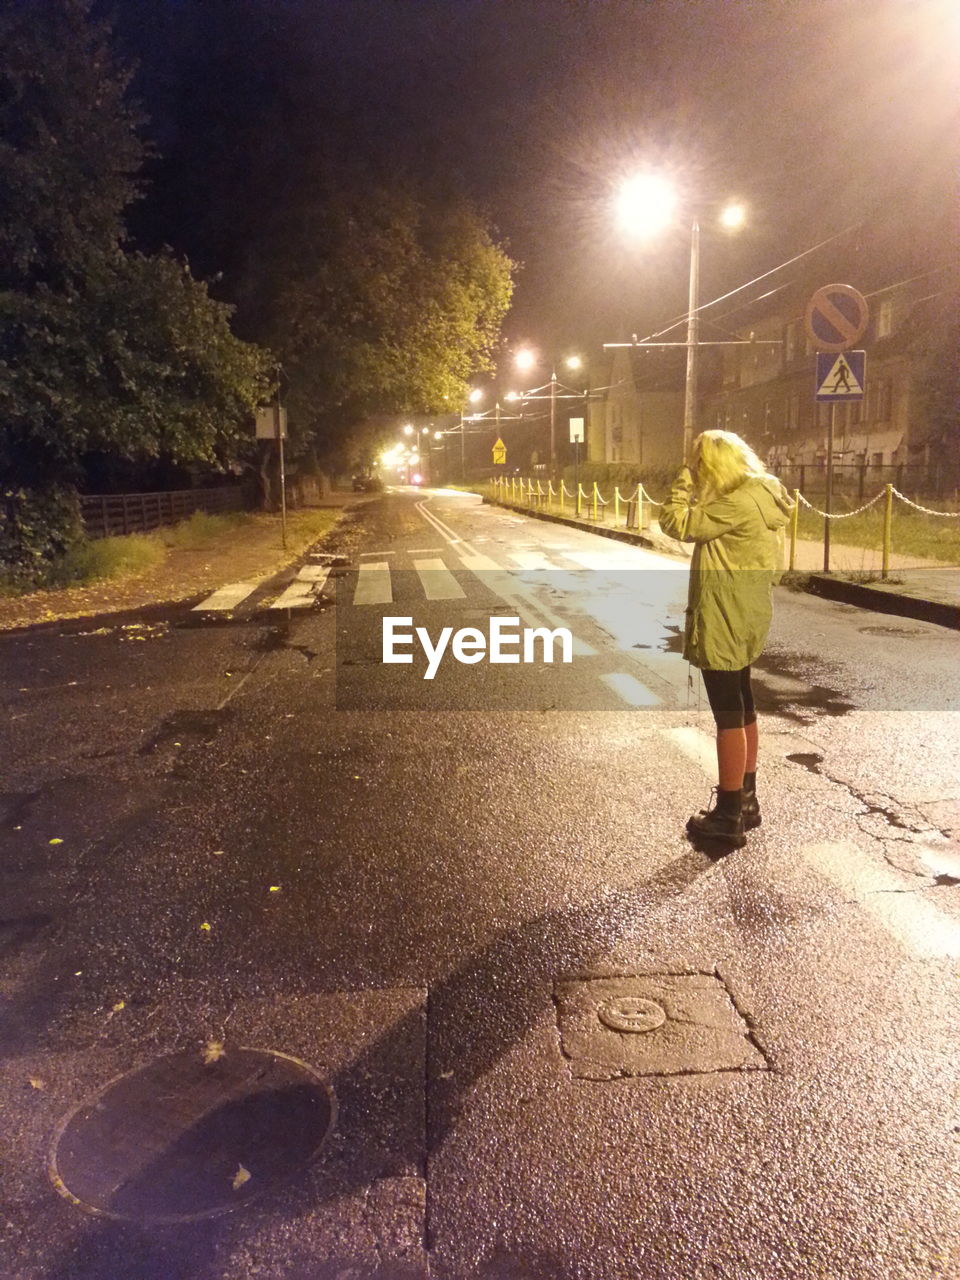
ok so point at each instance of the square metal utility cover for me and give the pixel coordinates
(656, 1024)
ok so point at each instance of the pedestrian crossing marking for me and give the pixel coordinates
(316, 573)
(373, 583)
(224, 599)
(437, 580)
(629, 688)
(299, 595)
(530, 560)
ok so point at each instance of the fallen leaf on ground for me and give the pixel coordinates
(240, 1177)
(56, 840)
(121, 1004)
(274, 888)
(206, 927)
(37, 1083)
(218, 853)
(213, 1051)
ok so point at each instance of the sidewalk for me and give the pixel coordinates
(251, 552)
(927, 590)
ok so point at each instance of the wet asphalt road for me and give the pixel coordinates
(429, 890)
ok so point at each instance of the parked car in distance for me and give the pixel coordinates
(367, 484)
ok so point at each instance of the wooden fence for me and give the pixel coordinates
(113, 514)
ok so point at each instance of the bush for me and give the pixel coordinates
(105, 558)
(38, 528)
(200, 529)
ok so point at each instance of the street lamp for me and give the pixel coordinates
(525, 359)
(645, 205)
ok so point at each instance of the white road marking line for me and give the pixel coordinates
(530, 559)
(225, 598)
(299, 595)
(891, 899)
(437, 580)
(631, 690)
(696, 745)
(373, 583)
(377, 553)
(315, 573)
(500, 581)
(423, 551)
(917, 924)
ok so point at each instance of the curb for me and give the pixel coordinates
(618, 535)
(818, 584)
(883, 601)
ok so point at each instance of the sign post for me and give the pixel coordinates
(272, 425)
(576, 439)
(837, 316)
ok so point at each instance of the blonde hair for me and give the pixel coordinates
(721, 461)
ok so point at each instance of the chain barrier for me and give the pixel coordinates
(838, 515)
(949, 515)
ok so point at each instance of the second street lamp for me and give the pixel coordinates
(525, 359)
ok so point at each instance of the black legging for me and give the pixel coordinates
(731, 698)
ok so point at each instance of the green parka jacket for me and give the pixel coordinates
(737, 557)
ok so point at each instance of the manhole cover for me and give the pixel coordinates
(192, 1135)
(630, 1013)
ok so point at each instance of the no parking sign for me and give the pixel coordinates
(837, 316)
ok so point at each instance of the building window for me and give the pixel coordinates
(885, 318)
(790, 342)
(884, 402)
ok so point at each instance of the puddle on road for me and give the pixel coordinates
(786, 691)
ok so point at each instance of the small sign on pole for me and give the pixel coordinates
(499, 453)
(267, 423)
(576, 430)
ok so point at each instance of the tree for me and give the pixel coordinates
(382, 304)
(69, 149)
(101, 349)
(138, 361)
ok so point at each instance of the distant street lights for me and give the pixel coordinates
(645, 205)
(525, 359)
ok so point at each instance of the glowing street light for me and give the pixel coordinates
(646, 204)
(524, 359)
(408, 430)
(475, 396)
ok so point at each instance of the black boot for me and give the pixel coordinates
(723, 823)
(750, 807)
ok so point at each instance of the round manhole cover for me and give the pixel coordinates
(192, 1135)
(631, 1013)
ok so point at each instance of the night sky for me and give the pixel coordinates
(821, 115)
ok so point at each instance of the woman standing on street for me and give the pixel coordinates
(734, 512)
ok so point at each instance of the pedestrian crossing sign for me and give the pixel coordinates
(841, 377)
(499, 452)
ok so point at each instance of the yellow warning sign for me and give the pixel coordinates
(499, 452)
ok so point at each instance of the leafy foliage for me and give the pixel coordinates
(36, 529)
(382, 304)
(69, 151)
(101, 349)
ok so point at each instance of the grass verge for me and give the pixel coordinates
(911, 532)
